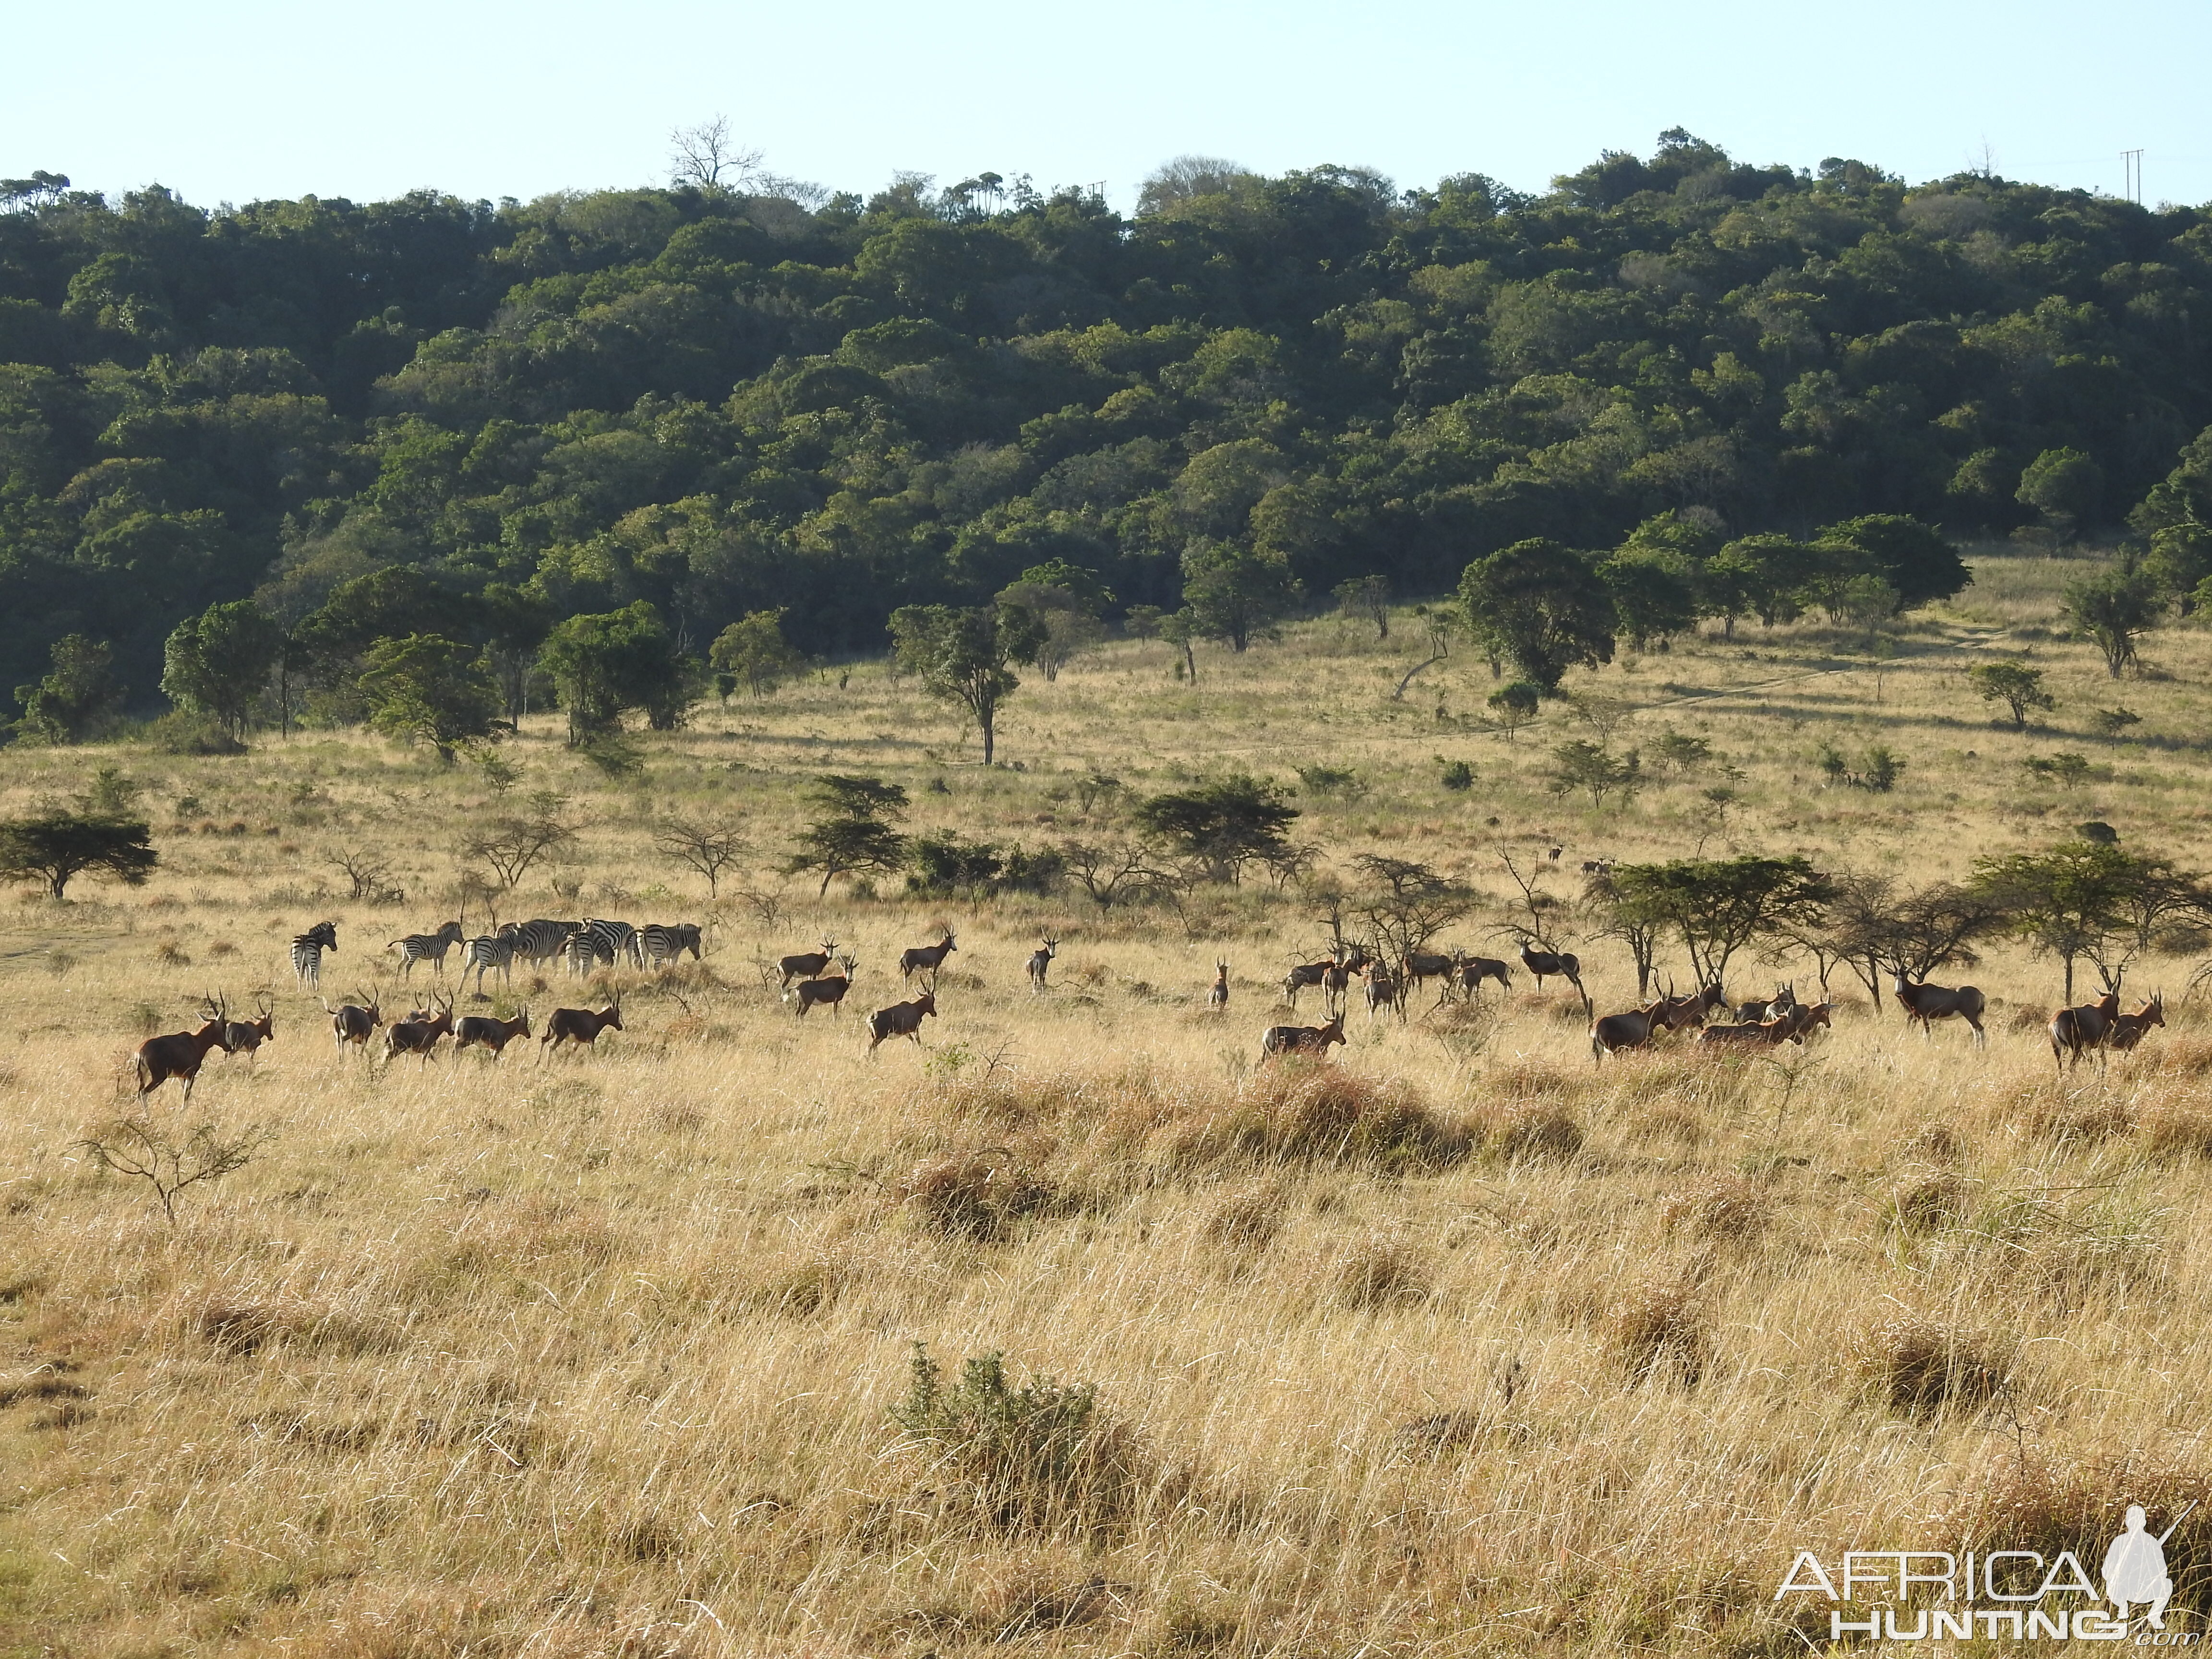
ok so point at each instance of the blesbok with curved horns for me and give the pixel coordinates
(1473, 970)
(1923, 1003)
(2128, 1029)
(1336, 979)
(1041, 961)
(828, 990)
(926, 959)
(180, 1054)
(808, 964)
(1279, 1040)
(1784, 999)
(245, 1037)
(357, 1022)
(419, 1032)
(2079, 1030)
(901, 1019)
(1611, 1033)
(1552, 965)
(1217, 995)
(1384, 990)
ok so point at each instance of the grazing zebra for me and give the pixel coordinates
(307, 950)
(490, 950)
(539, 941)
(663, 943)
(426, 947)
(599, 941)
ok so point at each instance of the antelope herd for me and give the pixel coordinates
(806, 979)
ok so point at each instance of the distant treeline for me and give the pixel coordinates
(721, 402)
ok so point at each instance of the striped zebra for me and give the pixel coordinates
(307, 950)
(598, 941)
(491, 951)
(539, 941)
(663, 943)
(426, 947)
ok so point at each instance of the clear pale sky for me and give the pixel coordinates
(227, 100)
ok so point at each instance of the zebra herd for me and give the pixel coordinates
(581, 945)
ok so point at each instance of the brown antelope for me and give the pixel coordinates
(1552, 965)
(1041, 961)
(482, 1031)
(926, 958)
(807, 966)
(1925, 1003)
(1384, 990)
(1693, 1009)
(827, 989)
(1302, 1039)
(159, 1058)
(901, 1019)
(578, 1025)
(355, 1021)
(2128, 1029)
(1755, 1034)
(245, 1037)
(1419, 967)
(1304, 975)
(2074, 1031)
(1473, 970)
(1217, 995)
(1336, 981)
(1613, 1032)
(419, 1032)
(1784, 999)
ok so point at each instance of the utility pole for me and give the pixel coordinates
(2131, 160)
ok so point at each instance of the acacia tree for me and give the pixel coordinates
(1222, 826)
(57, 844)
(703, 845)
(1540, 606)
(1635, 919)
(2014, 683)
(857, 830)
(2090, 899)
(2115, 608)
(964, 656)
(425, 688)
(1717, 907)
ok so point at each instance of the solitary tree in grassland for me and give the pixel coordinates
(604, 664)
(2115, 607)
(754, 651)
(511, 844)
(1540, 606)
(855, 832)
(218, 662)
(56, 844)
(2014, 683)
(2090, 899)
(1577, 764)
(1067, 601)
(1235, 594)
(78, 697)
(1223, 825)
(701, 844)
(964, 656)
(1514, 706)
(425, 688)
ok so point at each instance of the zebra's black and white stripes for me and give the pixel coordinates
(490, 950)
(307, 951)
(663, 943)
(540, 940)
(426, 947)
(600, 941)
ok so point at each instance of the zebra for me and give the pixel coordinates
(599, 941)
(540, 940)
(491, 951)
(663, 943)
(307, 950)
(426, 947)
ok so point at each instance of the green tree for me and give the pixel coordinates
(964, 656)
(1514, 706)
(2014, 683)
(1235, 594)
(1718, 906)
(1065, 601)
(424, 689)
(1579, 764)
(79, 697)
(856, 829)
(603, 665)
(2065, 486)
(1914, 558)
(2085, 898)
(1540, 606)
(56, 844)
(2180, 561)
(1653, 595)
(1762, 575)
(218, 662)
(754, 651)
(2115, 607)
(1222, 826)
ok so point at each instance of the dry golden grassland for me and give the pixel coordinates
(1457, 1344)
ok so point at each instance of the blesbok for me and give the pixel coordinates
(1280, 1040)
(1756, 1034)
(1554, 853)
(245, 1037)
(808, 964)
(1691, 1009)
(1217, 995)
(307, 950)
(1925, 1003)
(1612, 1033)
(1305, 974)
(1419, 967)
(1784, 999)
(926, 959)
(1041, 961)
(827, 989)
(1473, 970)
(1597, 867)
(901, 1019)
(426, 947)
(2128, 1029)
(482, 1031)
(355, 1021)
(1384, 990)
(1336, 981)
(580, 1025)
(180, 1054)
(1552, 965)
(419, 1032)
(2074, 1031)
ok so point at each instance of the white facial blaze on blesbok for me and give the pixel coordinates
(1923, 1003)
(1217, 995)
(926, 958)
(1312, 1040)
(808, 964)
(2076, 1032)
(2128, 1029)
(901, 1019)
(828, 990)
(1041, 961)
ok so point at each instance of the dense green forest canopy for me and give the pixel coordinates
(722, 403)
